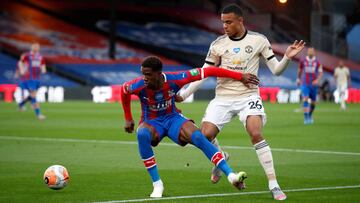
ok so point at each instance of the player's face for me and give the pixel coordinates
(311, 52)
(35, 47)
(341, 63)
(232, 24)
(151, 78)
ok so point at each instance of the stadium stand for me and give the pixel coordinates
(167, 31)
(71, 51)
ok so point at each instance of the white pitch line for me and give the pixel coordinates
(230, 194)
(170, 144)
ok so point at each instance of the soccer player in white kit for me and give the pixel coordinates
(240, 50)
(342, 79)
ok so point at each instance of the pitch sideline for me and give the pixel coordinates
(231, 194)
(170, 144)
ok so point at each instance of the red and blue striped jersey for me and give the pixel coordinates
(33, 63)
(21, 77)
(310, 70)
(157, 103)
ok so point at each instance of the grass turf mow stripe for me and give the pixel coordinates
(232, 194)
(170, 144)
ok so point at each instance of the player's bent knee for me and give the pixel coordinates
(256, 137)
(144, 135)
(209, 131)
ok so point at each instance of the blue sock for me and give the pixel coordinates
(312, 107)
(211, 152)
(306, 110)
(21, 104)
(37, 109)
(146, 153)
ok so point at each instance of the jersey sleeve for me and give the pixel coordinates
(200, 73)
(266, 50)
(42, 62)
(212, 57)
(185, 77)
(25, 58)
(133, 86)
(129, 88)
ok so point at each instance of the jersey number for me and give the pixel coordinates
(255, 105)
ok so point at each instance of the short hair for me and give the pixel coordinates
(232, 8)
(152, 62)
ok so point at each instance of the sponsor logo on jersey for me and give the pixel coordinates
(237, 62)
(194, 72)
(236, 50)
(237, 68)
(248, 49)
(160, 106)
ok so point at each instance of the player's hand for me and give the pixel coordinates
(249, 79)
(179, 98)
(129, 126)
(298, 83)
(315, 82)
(295, 48)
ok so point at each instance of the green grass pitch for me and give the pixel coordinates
(89, 140)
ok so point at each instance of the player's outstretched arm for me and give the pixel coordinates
(211, 71)
(126, 104)
(246, 78)
(277, 67)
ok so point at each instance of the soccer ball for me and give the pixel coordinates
(56, 177)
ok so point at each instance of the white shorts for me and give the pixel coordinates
(342, 88)
(221, 111)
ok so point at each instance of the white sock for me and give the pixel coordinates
(273, 184)
(232, 177)
(158, 189)
(342, 102)
(158, 183)
(266, 160)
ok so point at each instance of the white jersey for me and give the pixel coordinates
(341, 75)
(241, 55)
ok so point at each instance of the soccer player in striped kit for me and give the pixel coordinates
(160, 117)
(31, 66)
(309, 75)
